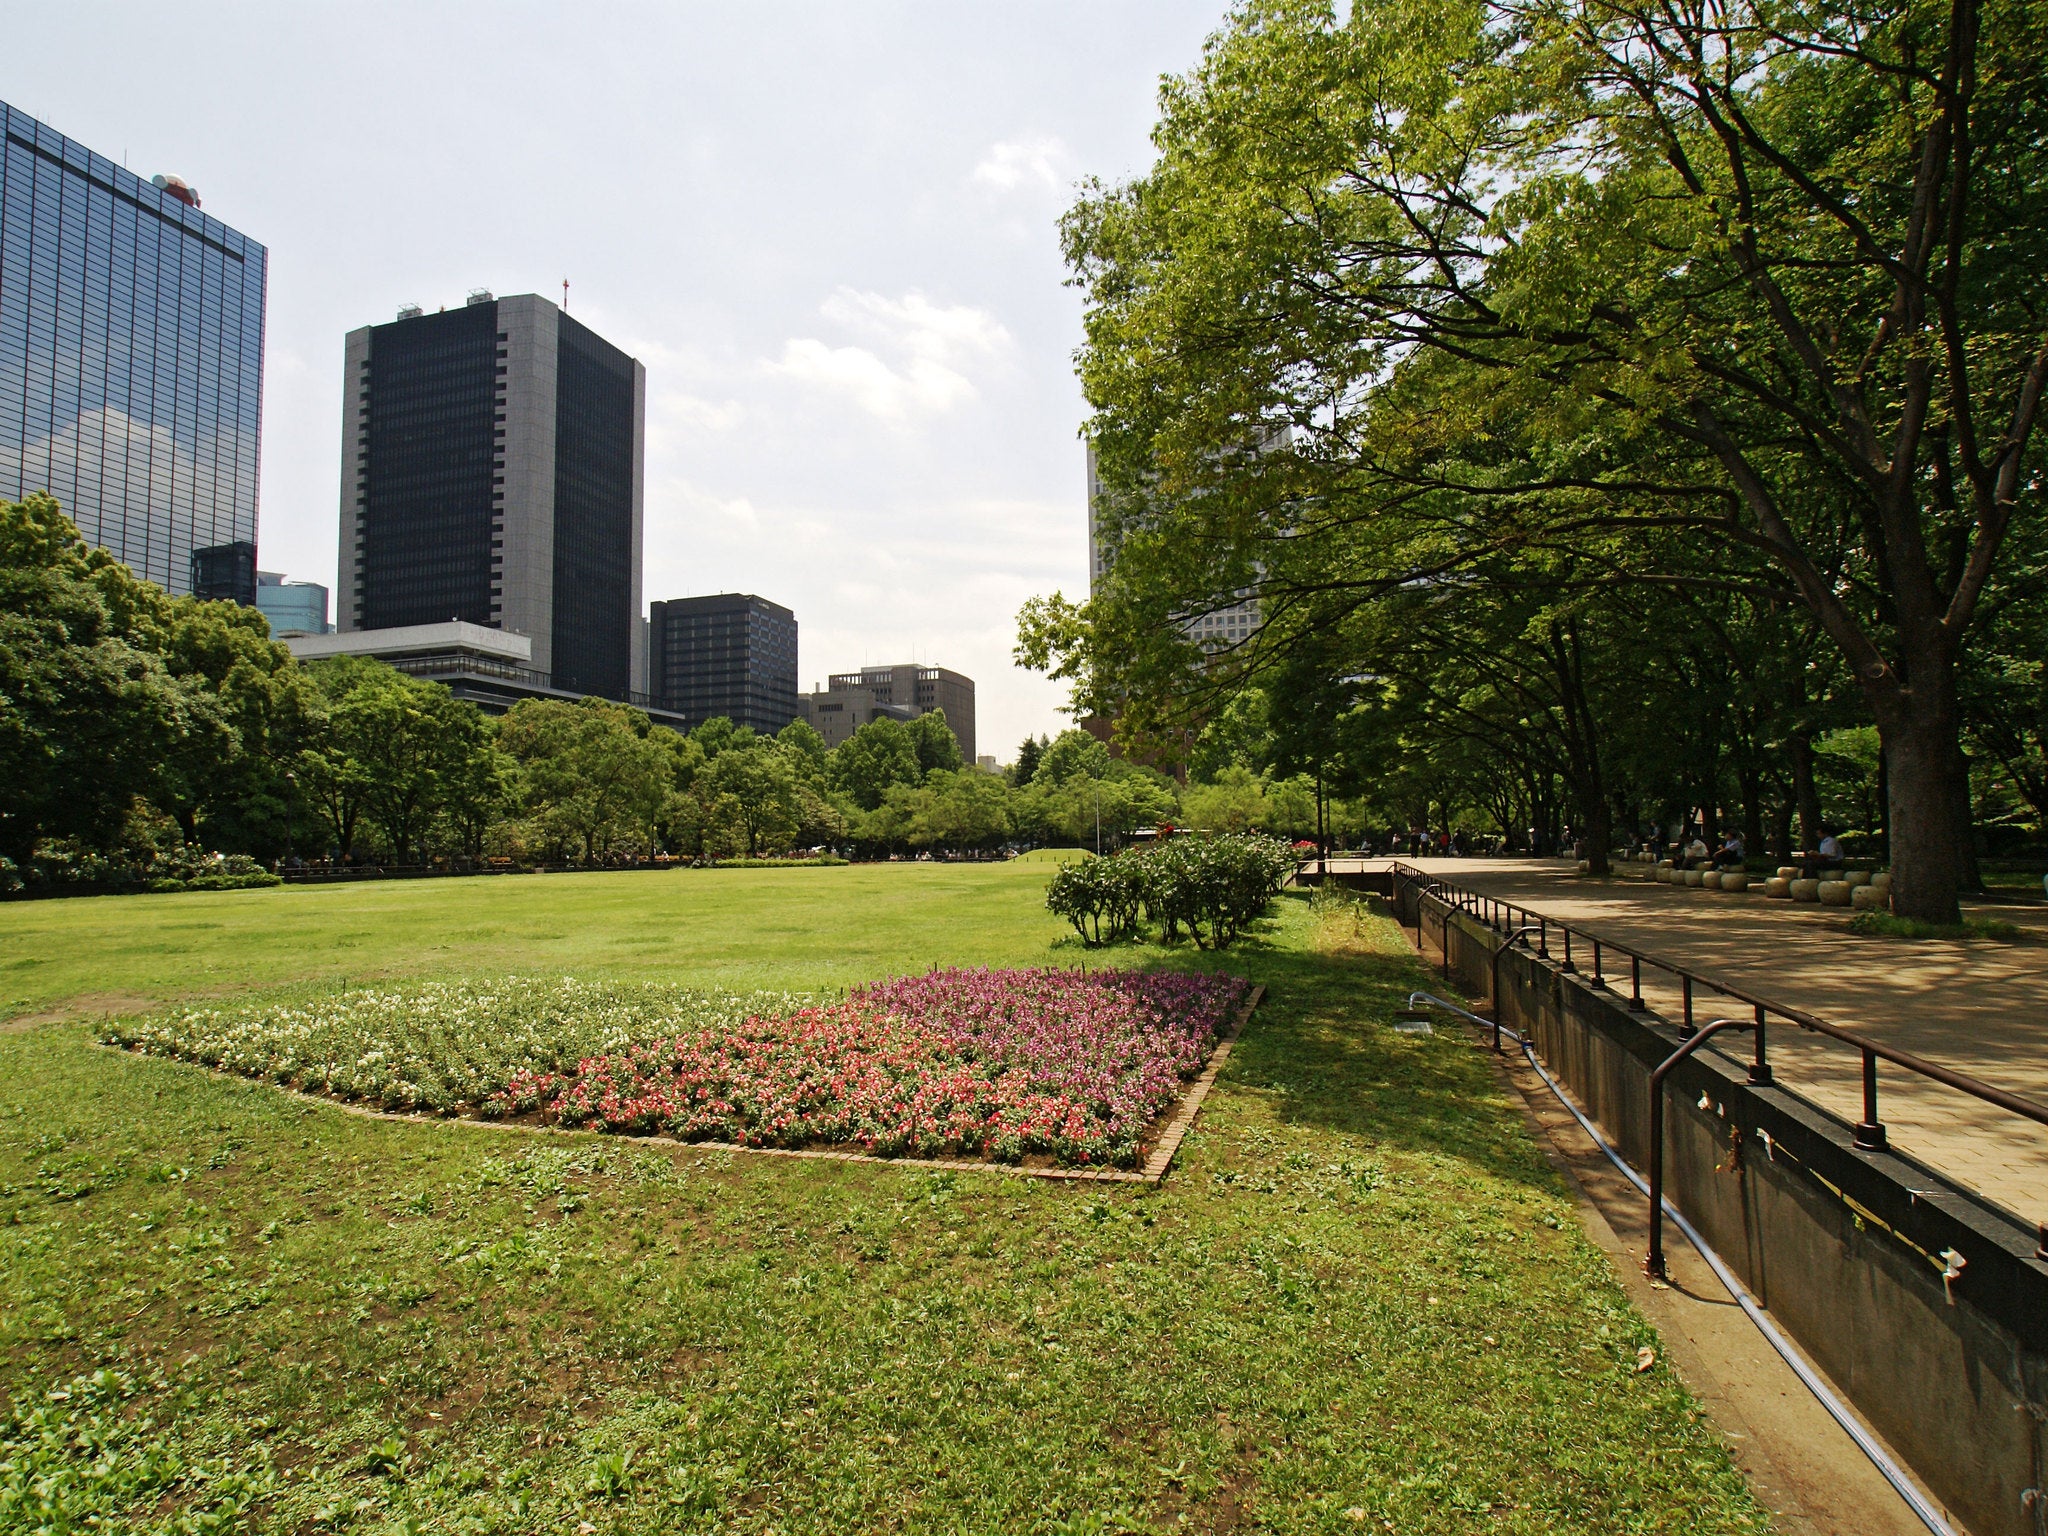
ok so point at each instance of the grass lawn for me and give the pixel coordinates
(1360, 1302)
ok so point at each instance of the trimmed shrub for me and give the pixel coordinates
(1209, 889)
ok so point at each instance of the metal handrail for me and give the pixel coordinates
(1869, 1132)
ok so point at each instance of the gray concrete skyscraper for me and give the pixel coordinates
(492, 472)
(131, 360)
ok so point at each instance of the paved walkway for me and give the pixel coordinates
(1979, 1006)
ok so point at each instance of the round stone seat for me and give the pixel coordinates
(1735, 880)
(1805, 890)
(1857, 876)
(1779, 886)
(1835, 893)
(1868, 898)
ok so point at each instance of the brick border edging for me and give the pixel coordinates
(1153, 1172)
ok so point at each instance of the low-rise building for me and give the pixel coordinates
(491, 668)
(901, 692)
(293, 607)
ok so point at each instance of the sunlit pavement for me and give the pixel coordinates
(1977, 1006)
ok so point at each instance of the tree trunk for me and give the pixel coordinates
(1599, 836)
(1808, 798)
(1752, 783)
(1917, 726)
(1781, 832)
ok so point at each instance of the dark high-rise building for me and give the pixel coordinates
(131, 355)
(733, 654)
(492, 474)
(225, 573)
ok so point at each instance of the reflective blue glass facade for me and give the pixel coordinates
(131, 355)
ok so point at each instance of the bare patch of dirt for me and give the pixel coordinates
(87, 1005)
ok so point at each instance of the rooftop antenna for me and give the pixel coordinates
(565, 295)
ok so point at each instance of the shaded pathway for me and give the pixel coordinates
(1978, 1006)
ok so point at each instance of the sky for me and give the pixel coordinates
(829, 231)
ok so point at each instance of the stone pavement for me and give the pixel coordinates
(1976, 1006)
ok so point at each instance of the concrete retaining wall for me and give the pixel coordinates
(1844, 1247)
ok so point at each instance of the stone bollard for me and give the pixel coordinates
(1788, 871)
(1805, 890)
(1857, 876)
(1881, 882)
(1735, 880)
(1692, 877)
(1835, 893)
(1585, 866)
(1868, 898)
(1779, 886)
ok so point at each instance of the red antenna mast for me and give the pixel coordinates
(565, 293)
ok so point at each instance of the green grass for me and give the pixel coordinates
(1883, 925)
(1361, 1301)
(737, 928)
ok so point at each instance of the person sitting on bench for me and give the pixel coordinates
(1731, 854)
(1824, 860)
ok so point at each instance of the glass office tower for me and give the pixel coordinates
(131, 360)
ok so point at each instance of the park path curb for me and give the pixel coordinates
(1156, 1165)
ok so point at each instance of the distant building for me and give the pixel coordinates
(225, 573)
(732, 654)
(131, 360)
(491, 668)
(492, 475)
(293, 607)
(899, 693)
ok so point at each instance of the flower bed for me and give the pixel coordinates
(439, 1047)
(1064, 1065)
(1000, 1064)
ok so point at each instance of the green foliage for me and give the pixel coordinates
(389, 750)
(88, 1453)
(878, 756)
(1214, 888)
(1608, 343)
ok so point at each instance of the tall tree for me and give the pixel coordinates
(1739, 297)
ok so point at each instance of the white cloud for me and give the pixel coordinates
(927, 346)
(1014, 163)
(691, 411)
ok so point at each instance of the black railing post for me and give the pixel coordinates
(1566, 928)
(1598, 980)
(1635, 983)
(1870, 1135)
(1760, 1066)
(1543, 937)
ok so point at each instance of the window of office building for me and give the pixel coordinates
(426, 530)
(593, 582)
